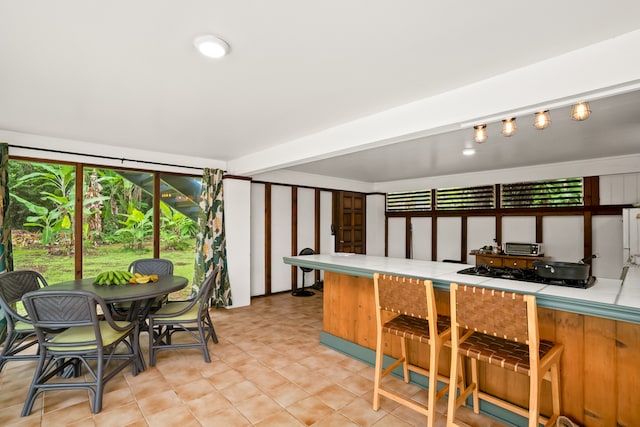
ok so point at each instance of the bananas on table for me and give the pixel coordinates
(117, 277)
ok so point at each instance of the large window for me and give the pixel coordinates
(118, 218)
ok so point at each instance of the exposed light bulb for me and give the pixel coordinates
(542, 119)
(509, 126)
(580, 111)
(480, 133)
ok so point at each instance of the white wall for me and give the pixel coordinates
(481, 230)
(257, 265)
(518, 229)
(280, 237)
(396, 238)
(327, 241)
(326, 218)
(375, 224)
(237, 196)
(563, 237)
(306, 228)
(620, 189)
(449, 238)
(421, 238)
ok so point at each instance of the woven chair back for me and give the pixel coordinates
(159, 266)
(404, 295)
(493, 312)
(14, 284)
(53, 310)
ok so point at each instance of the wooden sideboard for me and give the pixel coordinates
(514, 261)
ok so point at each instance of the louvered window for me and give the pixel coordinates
(409, 201)
(542, 194)
(465, 198)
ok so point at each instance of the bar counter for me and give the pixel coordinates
(599, 327)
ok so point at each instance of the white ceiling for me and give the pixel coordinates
(125, 74)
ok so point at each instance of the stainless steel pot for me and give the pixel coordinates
(563, 270)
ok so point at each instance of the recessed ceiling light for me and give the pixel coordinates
(468, 151)
(211, 46)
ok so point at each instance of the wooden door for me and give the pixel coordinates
(349, 223)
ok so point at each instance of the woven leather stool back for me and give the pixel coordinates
(404, 295)
(492, 312)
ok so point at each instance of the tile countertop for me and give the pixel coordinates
(607, 298)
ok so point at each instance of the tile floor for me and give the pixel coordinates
(267, 370)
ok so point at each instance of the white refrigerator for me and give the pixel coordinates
(631, 236)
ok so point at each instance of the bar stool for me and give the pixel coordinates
(406, 307)
(501, 328)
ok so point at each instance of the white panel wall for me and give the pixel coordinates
(257, 239)
(280, 237)
(449, 238)
(607, 243)
(326, 218)
(563, 237)
(620, 189)
(306, 228)
(518, 229)
(375, 224)
(421, 238)
(481, 230)
(396, 238)
(237, 218)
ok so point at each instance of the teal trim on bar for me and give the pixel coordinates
(368, 356)
(589, 308)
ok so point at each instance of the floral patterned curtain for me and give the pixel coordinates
(6, 254)
(211, 248)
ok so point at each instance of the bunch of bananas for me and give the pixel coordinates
(114, 277)
(143, 278)
(117, 277)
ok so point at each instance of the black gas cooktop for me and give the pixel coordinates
(524, 275)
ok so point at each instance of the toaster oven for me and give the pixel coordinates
(526, 249)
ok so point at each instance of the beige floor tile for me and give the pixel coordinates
(178, 415)
(258, 408)
(119, 415)
(194, 389)
(287, 394)
(310, 410)
(361, 412)
(335, 396)
(281, 419)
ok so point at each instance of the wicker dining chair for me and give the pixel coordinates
(20, 332)
(73, 335)
(501, 328)
(159, 266)
(190, 319)
(406, 308)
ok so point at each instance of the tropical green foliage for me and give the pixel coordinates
(115, 210)
(177, 230)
